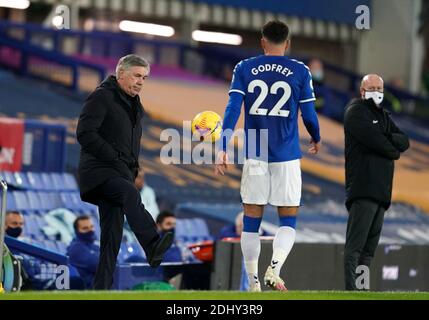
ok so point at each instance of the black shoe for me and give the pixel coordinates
(154, 258)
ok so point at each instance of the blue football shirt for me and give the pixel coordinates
(274, 87)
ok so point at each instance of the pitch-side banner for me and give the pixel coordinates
(11, 140)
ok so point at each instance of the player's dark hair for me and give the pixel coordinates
(163, 215)
(275, 31)
(80, 218)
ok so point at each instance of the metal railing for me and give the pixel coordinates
(2, 228)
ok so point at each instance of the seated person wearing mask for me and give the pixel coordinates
(14, 224)
(82, 251)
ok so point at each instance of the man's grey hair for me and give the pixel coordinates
(131, 60)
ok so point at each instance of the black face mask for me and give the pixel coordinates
(172, 230)
(14, 232)
(86, 236)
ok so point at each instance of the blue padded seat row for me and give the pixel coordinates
(188, 228)
(72, 200)
(64, 181)
(41, 181)
(15, 179)
(34, 200)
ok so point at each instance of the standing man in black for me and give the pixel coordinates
(109, 132)
(372, 143)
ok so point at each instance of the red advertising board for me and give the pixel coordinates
(11, 141)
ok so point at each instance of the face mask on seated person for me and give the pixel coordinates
(376, 96)
(173, 230)
(14, 232)
(86, 236)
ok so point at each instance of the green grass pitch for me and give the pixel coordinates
(213, 295)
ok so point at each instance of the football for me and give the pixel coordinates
(207, 126)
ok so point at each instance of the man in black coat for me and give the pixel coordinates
(109, 132)
(372, 143)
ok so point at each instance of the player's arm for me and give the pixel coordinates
(232, 113)
(311, 122)
(308, 112)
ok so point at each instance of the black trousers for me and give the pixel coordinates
(117, 197)
(363, 233)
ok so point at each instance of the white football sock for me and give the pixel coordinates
(251, 248)
(282, 244)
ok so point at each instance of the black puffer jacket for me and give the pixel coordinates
(372, 143)
(109, 132)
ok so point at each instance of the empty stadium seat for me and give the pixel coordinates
(34, 200)
(15, 179)
(192, 230)
(69, 182)
(10, 201)
(47, 181)
(35, 181)
(21, 200)
(50, 200)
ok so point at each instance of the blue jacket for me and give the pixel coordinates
(84, 256)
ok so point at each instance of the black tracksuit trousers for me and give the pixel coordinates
(363, 233)
(117, 197)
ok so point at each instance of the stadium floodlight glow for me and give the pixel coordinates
(15, 4)
(148, 28)
(217, 37)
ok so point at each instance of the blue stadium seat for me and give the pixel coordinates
(21, 200)
(55, 200)
(76, 202)
(15, 179)
(123, 252)
(35, 181)
(192, 230)
(47, 181)
(50, 200)
(21, 180)
(180, 228)
(201, 227)
(66, 200)
(63, 182)
(62, 247)
(69, 181)
(8, 177)
(58, 181)
(32, 228)
(137, 249)
(34, 201)
(10, 201)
